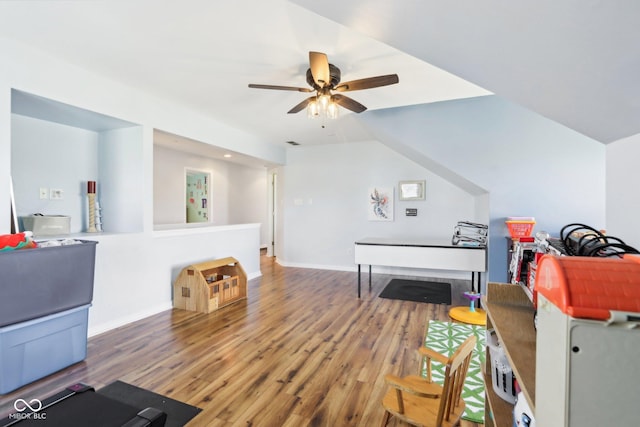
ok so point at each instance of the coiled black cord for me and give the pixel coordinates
(593, 243)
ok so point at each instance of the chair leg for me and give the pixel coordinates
(385, 420)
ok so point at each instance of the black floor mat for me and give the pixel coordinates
(419, 291)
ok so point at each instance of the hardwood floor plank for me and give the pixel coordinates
(302, 350)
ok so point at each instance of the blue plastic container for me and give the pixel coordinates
(36, 348)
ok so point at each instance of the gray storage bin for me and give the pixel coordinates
(47, 225)
(42, 281)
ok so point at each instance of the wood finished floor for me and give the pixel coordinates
(303, 350)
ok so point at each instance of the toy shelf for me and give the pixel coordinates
(510, 314)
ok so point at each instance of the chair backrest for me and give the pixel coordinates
(454, 376)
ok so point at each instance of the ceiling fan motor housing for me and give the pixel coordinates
(334, 72)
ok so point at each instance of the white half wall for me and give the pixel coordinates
(134, 272)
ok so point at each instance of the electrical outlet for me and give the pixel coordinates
(56, 194)
(44, 193)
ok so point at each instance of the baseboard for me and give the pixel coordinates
(122, 321)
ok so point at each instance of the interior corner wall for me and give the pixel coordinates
(121, 184)
(326, 202)
(529, 165)
(623, 198)
(248, 198)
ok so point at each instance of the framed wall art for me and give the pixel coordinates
(381, 204)
(197, 192)
(412, 190)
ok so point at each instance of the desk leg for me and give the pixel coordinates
(476, 279)
(358, 280)
(369, 277)
(473, 281)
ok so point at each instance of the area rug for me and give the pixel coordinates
(178, 413)
(445, 337)
(418, 290)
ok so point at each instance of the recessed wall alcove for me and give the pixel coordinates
(57, 146)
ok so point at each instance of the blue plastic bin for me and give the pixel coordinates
(36, 348)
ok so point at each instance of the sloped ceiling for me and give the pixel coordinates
(575, 62)
(204, 53)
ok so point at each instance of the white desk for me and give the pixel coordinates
(436, 255)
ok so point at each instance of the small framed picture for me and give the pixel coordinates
(411, 190)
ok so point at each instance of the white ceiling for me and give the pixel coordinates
(574, 61)
(204, 53)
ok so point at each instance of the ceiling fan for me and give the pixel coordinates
(324, 79)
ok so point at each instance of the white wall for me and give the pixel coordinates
(623, 197)
(326, 202)
(248, 198)
(529, 165)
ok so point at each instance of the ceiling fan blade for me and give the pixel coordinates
(319, 65)
(348, 103)
(297, 89)
(368, 83)
(301, 106)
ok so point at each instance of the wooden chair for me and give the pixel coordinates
(421, 402)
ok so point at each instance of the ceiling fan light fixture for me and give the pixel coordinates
(313, 109)
(332, 110)
(324, 101)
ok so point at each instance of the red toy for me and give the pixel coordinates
(588, 287)
(10, 242)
